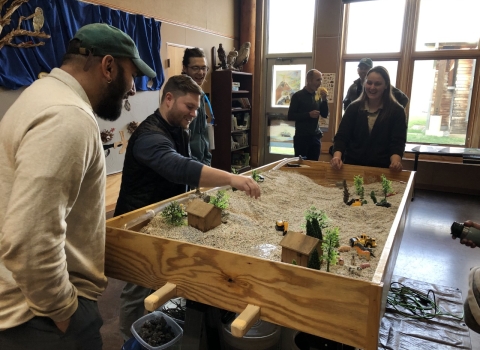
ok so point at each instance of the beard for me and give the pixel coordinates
(175, 116)
(110, 106)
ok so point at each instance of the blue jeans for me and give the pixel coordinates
(41, 333)
(307, 146)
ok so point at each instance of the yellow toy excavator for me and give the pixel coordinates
(365, 240)
(282, 225)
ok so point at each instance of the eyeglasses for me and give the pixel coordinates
(197, 68)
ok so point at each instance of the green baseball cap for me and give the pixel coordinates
(100, 39)
(366, 61)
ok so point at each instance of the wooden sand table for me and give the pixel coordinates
(250, 224)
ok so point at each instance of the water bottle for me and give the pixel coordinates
(463, 232)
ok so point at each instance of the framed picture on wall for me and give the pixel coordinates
(287, 79)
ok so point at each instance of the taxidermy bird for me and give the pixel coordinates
(232, 56)
(221, 57)
(243, 54)
(38, 19)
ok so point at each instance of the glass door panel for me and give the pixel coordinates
(284, 78)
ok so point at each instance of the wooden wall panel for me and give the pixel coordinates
(208, 15)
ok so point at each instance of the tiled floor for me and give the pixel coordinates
(427, 254)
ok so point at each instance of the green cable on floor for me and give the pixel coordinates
(412, 303)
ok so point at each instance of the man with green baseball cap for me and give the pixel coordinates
(99, 39)
(52, 194)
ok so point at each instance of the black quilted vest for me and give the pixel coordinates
(142, 186)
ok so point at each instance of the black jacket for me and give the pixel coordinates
(355, 90)
(302, 103)
(142, 185)
(360, 147)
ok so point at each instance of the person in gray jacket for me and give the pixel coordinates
(195, 66)
(52, 194)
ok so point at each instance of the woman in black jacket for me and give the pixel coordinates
(373, 131)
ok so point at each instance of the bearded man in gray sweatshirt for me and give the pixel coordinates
(52, 188)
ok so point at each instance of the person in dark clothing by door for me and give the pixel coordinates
(305, 110)
(158, 166)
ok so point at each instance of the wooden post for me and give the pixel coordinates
(160, 297)
(245, 321)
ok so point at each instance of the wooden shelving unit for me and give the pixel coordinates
(225, 104)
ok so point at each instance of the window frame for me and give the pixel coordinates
(406, 60)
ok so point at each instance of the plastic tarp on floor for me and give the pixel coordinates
(399, 332)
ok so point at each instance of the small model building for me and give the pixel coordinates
(297, 246)
(203, 216)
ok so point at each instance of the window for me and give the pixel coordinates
(448, 26)
(290, 26)
(441, 94)
(375, 26)
(436, 68)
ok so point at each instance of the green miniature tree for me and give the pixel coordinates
(316, 220)
(386, 189)
(309, 228)
(257, 177)
(317, 230)
(329, 244)
(374, 198)
(314, 261)
(359, 189)
(220, 200)
(294, 262)
(174, 214)
(346, 194)
(320, 215)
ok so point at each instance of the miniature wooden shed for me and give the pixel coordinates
(203, 216)
(298, 246)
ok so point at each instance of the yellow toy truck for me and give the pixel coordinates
(367, 241)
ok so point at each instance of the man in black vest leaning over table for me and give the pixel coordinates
(158, 166)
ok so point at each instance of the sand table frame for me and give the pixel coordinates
(346, 309)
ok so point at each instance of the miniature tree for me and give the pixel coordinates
(309, 228)
(331, 241)
(316, 220)
(386, 188)
(373, 197)
(294, 262)
(257, 177)
(174, 214)
(359, 189)
(346, 194)
(220, 200)
(314, 261)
